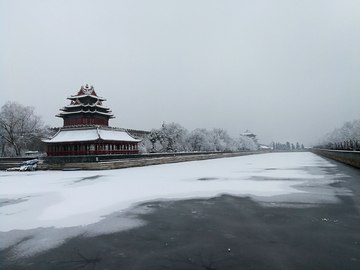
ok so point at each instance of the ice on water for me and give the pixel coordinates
(51, 206)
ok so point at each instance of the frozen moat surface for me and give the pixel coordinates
(40, 210)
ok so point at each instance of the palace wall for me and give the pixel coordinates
(349, 157)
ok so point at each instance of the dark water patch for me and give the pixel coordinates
(338, 183)
(207, 178)
(89, 178)
(267, 178)
(5, 202)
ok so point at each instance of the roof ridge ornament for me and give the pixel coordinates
(88, 90)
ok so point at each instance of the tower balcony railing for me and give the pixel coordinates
(91, 152)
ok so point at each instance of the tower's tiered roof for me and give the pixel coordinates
(85, 108)
(248, 133)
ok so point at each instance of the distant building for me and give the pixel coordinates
(263, 147)
(249, 134)
(86, 129)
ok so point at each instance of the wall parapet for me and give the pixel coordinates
(349, 157)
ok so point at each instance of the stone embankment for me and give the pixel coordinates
(145, 160)
(106, 162)
(6, 163)
(349, 157)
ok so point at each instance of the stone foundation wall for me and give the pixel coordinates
(349, 157)
(137, 162)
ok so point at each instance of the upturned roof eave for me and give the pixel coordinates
(72, 97)
(85, 105)
(86, 112)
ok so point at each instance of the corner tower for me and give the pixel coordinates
(86, 129)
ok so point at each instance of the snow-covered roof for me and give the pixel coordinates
(248, 133)
(262, 146)
(90, 134)
(82, 111)
(84, 105)
(115, 135)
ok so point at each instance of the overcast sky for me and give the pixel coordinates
(286, 70)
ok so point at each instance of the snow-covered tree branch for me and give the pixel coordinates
(19, 127)
(345, 137)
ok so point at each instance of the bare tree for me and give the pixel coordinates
(174, 136)
(221, 140)
(170, 138)
(19, 126)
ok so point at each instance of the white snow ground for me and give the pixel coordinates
(43, 208)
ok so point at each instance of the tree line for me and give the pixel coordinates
(21, 129)
(346, 137)
(288, 146)
(173, 137)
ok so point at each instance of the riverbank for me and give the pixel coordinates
(348, 157)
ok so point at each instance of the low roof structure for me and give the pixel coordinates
(90, 133)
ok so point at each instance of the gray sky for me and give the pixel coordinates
(286, 70)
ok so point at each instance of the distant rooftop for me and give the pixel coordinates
(248, 133)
